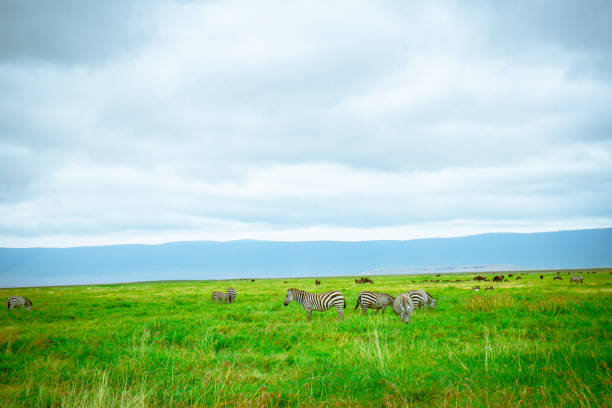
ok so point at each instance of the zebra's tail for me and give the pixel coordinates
(357, 305)
(344, 301)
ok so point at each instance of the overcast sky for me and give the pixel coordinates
(159, 121)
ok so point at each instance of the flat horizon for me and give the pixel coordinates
(154, 242)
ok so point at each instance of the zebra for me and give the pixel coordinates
(231, 295)
(576, 278)
(18, 301)
(420, 298)
(373, 300)
(216, 296)
(319, 302)
(404, 306)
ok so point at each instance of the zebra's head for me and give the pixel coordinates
(403, 307)
(407, 309)
(289, 297)
(432, 301)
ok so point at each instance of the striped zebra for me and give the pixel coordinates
(576, 279)
(219, 296)
(18, 301)
(404, 306)
(420, 298)
(373, 300)
(319, 302)
(231, 295)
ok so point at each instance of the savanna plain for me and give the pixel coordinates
(530, 342)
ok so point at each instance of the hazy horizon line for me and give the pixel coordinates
(165, 242)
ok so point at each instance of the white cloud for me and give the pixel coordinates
(278, 120)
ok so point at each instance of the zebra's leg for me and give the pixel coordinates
(377, 310)
(309, 315)
(340, 313)
(383, 309)
(363, 310)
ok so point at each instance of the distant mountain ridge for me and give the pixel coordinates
(590, 248)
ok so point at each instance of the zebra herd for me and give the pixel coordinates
(403, 305)
(225, 297)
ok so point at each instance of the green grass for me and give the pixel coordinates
(529, 342)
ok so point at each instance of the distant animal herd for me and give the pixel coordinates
(403, 305)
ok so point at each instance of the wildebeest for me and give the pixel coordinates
(498, 278)
(479, 278)
(489, 288)
(364, 280)
(576, 279)
(541, 276)
(317, 282)
(557, 278)
(518, 277)
(510, 275)
(438, 274)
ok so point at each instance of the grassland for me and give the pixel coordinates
(529, 342)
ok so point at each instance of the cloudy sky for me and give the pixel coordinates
(158, 121)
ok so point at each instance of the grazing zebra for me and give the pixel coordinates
(576, 278)
(420, 298)
(18, 301)
(216, 296)
(231, 295)
(319, 302)
(403, 306)
(373, 300)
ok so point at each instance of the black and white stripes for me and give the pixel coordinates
(225, 297)
(404, 306)
(319, 302)
(219, 296)
(231, 295)
(422, 298)
(373, 300)
(18, 301)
